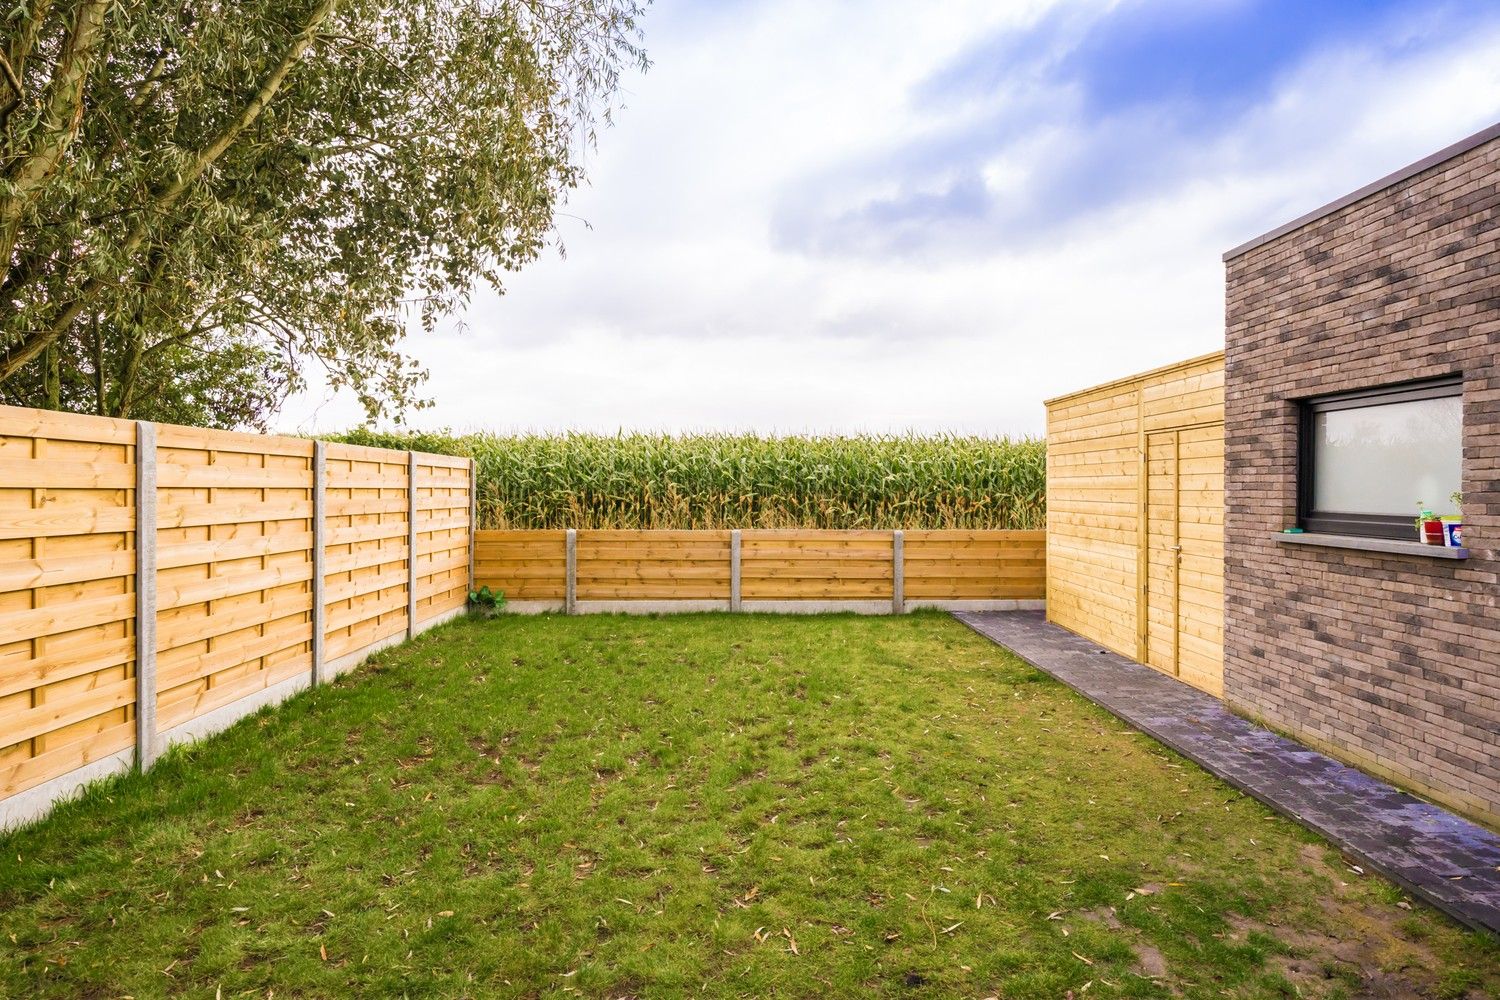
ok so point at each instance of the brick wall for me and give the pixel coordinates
(1391, 662)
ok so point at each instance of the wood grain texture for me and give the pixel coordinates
(623, 565)
(232, 577)
(67, 582)
(1135, 497)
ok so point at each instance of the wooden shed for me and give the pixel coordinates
(1135, 517)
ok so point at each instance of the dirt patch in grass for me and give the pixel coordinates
(1361, 937)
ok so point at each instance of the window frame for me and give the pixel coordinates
(1397, 526)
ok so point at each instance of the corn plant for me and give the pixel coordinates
(648, 480)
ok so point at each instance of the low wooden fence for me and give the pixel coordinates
(762, 570)
(158, 582)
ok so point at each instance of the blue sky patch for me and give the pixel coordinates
(1131, 99)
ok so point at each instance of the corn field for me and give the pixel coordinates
(643, 480)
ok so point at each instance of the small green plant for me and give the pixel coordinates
(486, 603)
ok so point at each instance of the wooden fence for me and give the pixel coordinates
(762, 570)
(158, 582)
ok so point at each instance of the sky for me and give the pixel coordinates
(887, 216)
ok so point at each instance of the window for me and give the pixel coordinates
(1367, 458)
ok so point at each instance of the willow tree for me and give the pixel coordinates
(200, 199)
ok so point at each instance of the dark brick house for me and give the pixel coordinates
(1360, 350)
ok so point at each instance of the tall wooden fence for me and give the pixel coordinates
(762, 570)
(158, 582)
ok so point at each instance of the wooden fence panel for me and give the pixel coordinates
(525, 565)
(783, 565)
(442, 534)
(811, 565)
(232, 560)
(367, 547)
(653, 565)
(234, 567)
(67, 585)
(975, 565)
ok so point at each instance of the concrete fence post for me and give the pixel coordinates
(898, 571)
(319, 544)
(734, 570)
(146, 744)
(411, 544)
(473, 516)
(570, 592)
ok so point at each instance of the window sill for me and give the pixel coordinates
(1385, 546)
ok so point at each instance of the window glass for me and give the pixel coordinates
(1383, 459)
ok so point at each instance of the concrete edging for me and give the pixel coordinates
(24, 808)
(875, 606)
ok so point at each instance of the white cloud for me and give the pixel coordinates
(679, 310)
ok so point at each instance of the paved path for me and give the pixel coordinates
(1437, 856)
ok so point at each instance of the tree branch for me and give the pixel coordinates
(11, 78)
(60, 122)
(32, 345)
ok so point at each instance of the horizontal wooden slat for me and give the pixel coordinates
(178, 666)
(653, 592)
(185, 629)
(188, 702)
(54, 620)
(55, 522)
(334, 593)
(177, 595)
(244, 442)
(41, 473)
(20, 421)
(221, 549)
(921, 536)
(356, 533)
(200, 514)
(354, 506)
(362, 608)
(430, 460)
(173, 475)
(53, 667)
(57, 713)
(362, 635)
(54, 571)
(32, 771)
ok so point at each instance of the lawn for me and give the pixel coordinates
(703, 805)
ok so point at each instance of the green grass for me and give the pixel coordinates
(699, 806)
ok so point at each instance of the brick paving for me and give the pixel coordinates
(1433, 854)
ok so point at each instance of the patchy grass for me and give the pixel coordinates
(705, 805)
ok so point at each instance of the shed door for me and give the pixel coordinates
(1185, 555)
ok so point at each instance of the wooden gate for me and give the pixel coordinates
(1184, 585)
